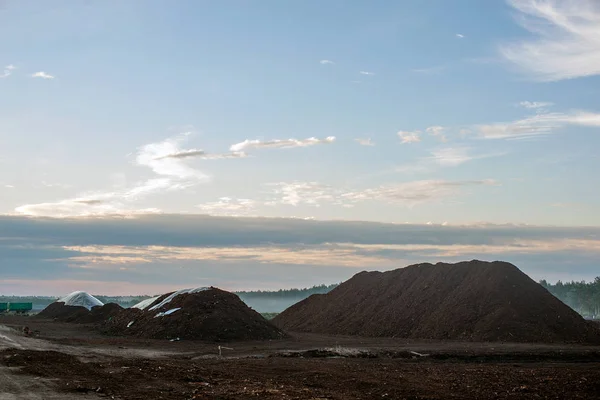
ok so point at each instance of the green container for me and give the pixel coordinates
(20, 307)
(3, 307)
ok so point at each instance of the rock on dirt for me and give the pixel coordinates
(473, 301)
(211, 314)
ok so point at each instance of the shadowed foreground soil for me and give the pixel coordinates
(79, 362)
(309, 378)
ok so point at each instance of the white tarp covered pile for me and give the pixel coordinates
(81, 299)
(146, 303)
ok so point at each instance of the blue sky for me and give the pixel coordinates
(410, 112)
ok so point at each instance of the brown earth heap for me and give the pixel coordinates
(211, 315)
(58, 311)
(473, 301)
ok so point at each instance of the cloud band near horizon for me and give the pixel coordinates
(149, 253)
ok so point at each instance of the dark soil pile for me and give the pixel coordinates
(58, 311)
(211, 315)
(473, 301)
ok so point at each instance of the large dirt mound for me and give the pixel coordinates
(208, 314)
(59, 311)
(474, 301)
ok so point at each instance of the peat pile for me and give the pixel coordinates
(80, 307)
(207, 314)
(473, 301)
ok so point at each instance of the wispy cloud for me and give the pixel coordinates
(535, 104)
(54, 256)
(326, 62)
(42, 75)
(430, 70)
(540, 124)
(365, 142)
(8, 71)
(409, 137)
(453, 156)
(403, 194)
(171, 174)
(153, 156)
(443, 157)
(297, 193)
(201, 154)
(567, 42)
(367, 73)
(460, 35)
(227, 206)
(437, 131)
(416, 192)
(279, 144)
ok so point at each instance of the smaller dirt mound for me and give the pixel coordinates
(59, 311)
(210, 314)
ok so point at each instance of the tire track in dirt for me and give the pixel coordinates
(14, 386)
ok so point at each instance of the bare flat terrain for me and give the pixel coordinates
(69, 361)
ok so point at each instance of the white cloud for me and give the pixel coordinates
(567, 42)
(9, 186)
(227, 206)
(42, 75)
(437, 131)
(201, 154)
(460, 35)
(444, 157)
(171, 174)
(540, 124)
(535, 104)
(8, 71)
(184, 154)
(367, 73)
(296, 193)
(326, 62)
(404, 194)
(153, 156)
(364, 142)
(413, 193)
(453, 156)
(279, 144)
(224, 156)
(409, 137)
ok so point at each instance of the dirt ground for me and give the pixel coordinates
(68, 361)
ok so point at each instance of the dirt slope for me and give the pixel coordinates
(475, 301)
(78, 314)
(212, 315)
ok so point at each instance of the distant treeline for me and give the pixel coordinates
(261, 301)
(583, 297)
(277, 301)
(285, 293)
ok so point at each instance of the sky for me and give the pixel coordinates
(147, 145)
